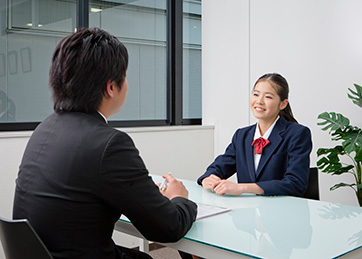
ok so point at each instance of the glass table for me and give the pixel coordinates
(268, 227)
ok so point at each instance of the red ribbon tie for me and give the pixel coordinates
(259, 144)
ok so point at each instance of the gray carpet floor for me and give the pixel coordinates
(165, 253)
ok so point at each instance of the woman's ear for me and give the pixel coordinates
(283, 104)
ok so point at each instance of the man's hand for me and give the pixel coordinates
(174, 188)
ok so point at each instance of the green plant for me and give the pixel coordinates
(351, 146)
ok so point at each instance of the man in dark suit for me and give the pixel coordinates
(79, 175)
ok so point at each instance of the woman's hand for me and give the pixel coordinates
(227, 187)
(210, 182)
(222, 187)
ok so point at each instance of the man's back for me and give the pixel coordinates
(76, 179)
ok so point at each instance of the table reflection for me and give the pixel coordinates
(276, 229)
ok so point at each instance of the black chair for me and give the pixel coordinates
(313, 185)
(20, 240)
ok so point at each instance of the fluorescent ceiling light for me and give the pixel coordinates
(95, 10)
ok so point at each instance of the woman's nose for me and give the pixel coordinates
(260, 100)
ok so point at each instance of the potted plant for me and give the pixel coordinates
(350, 139)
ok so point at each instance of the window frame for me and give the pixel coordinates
(174, 72)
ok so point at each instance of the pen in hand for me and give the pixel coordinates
(172, 188)
(164, 184)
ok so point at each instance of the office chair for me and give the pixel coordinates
(20, 240)
(313, 185)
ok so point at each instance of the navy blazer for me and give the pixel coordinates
(284, 165)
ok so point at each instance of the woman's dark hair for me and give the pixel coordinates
(280, 85)
(82, 64)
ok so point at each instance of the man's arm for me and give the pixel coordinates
(129, 190)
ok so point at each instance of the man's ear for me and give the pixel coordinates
(109, 88)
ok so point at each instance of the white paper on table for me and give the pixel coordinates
(207, 210)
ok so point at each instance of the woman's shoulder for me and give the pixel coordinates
(294, 128)
(245, 130)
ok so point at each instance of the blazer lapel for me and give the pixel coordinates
(249, 153)
(275, 140)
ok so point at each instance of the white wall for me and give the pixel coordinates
(225, 68)
(11, 150)
(316, 45)
(185, 151)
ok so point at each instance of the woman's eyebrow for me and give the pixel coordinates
(269, 93)
(264, 93)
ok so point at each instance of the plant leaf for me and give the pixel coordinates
(327, 167)
(338, 134)
(352, 140)
(358, 157)
(333, 121)
(342, 170)
(329, 162)
(357, 99)
(337, 149)
(336, 186)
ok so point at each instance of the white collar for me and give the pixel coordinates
(267, 133)
(104, 117)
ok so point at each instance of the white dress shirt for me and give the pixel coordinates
(266, 136)
(104, 117)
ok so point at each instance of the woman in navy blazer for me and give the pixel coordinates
(282, 167)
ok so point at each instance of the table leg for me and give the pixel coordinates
(144, 246)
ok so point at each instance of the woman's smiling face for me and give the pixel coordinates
(265, 102)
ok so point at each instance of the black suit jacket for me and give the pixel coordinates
(77, 177)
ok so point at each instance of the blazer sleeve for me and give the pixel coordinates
(224, 165)
(295, 179)
(127, 188)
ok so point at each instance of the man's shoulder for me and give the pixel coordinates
(78, 123)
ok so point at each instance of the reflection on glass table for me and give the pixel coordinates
(269, 227)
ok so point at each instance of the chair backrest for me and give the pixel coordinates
(313, 185)
(20, 240)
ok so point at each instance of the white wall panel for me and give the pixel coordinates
(225, 68)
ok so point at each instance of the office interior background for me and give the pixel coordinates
(227, 45)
